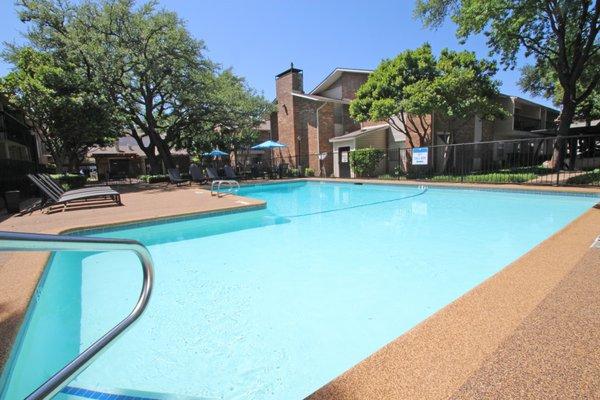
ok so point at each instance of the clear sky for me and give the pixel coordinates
(260, 38)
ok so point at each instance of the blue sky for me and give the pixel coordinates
(260, 38)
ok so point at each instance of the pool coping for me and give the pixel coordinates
(35, 263)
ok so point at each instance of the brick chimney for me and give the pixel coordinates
(289, 80)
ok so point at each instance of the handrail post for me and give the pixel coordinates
(17, 241)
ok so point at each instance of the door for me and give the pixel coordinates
(344, 162)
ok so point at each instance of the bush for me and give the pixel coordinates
(399, 172)
(309, 172)
(387, 177)
(293, 172)
(498, 177)
(364, 161)
(160, 178)
(589, 178)
(154, 178)
(70, 181)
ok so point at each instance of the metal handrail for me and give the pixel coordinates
(11, 241)
(229, 182)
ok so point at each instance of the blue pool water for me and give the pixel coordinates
(274, 303)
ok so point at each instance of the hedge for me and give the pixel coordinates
(159, 178)
(70, 181)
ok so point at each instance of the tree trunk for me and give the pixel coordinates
(566, 118)
(572, 153)
(163, 150)
(155, 166)
(149, 151)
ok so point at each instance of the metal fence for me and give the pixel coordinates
(523, 161)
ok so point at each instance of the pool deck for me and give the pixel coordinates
(530, 331)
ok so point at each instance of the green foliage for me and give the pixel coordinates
(589, 178)
(70, 181)
(236, 112)
(399, 171)
(486, 178)
(159, 178)
(309, 172)
(518, 175)
(560, 36)
(414, 84)
(63, 106)
(542, 80)
(154, 178)
(144, 60)
(387, 177)
(294, 172)
(364, 161)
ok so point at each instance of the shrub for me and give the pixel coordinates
(387, 177)
(154, 178)
(309, 172)
(293, 172)
(70, 181)
(498, 177)
(364, 161)
(589, 178)
(399, 171)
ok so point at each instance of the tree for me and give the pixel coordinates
(541, 80)
(236, 112)
(61, 105)
(407, 90)
(143, 59)
(560, 35)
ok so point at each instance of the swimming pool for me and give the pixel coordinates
(274, 303)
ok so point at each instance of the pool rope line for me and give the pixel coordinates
(422, 192)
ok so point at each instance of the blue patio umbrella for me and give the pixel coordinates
(269, 144)
(216, 153)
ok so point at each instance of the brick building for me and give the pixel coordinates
(319, 133)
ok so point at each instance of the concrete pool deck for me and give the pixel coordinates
(528, 332)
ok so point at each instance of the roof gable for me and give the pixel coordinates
(334, 76)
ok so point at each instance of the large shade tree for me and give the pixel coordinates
(408, 89)
(559, 35)
(143, 59)
(62, 105)
(237, 110)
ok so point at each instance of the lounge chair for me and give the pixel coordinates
(59, 190)
(176, 179)
(53, 196)
(212, 174)
(196, 175)
(230, 173)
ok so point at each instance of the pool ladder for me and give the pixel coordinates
(229, 182)
(12, 241)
